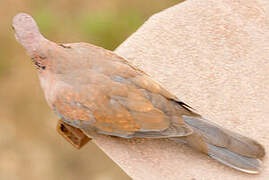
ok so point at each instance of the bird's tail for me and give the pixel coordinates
(225, 146)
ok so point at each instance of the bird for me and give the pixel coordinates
(92, 89)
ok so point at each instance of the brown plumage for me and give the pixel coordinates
(93, 89)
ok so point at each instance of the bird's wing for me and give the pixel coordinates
(115, 98)
(128, 113)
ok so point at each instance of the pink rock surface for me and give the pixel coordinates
(214, 56)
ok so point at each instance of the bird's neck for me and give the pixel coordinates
(48, 84)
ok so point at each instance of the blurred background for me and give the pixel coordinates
(30, 148)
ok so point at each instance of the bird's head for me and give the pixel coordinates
(28, 35)
(27, 32)
(48, 57)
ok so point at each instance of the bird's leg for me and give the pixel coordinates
(73, 135)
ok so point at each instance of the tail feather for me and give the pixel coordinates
(234, 160)
(225, 146)
(216, 135)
